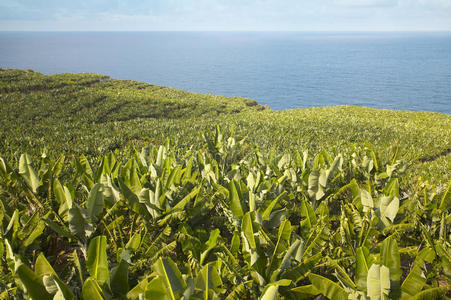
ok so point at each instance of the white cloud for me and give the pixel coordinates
(225, 15)
(367, 3)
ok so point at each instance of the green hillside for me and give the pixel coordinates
(93, 114)
(96, 112)
(113, 189)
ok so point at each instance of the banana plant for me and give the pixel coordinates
(102, 283)
(377, 277)
(167, 282)
(321, 175)
(22, 231)
(223, 221)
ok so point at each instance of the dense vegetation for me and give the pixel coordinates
(131, 191)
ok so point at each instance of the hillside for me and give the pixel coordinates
(113, 189)
(93, 114)
(90, 109)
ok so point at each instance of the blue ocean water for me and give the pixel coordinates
(408, 71)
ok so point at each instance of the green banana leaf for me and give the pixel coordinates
(283, 240)
(270, 292)
(315, 190)
(209, 279)
(78, 225)
(134, 242)
(415, 280)
(119, 279)
(95, 203)
(33, 283)
(28, 173)
(31, 230)
(306, 291)
(57, 288)
(97, 262)
(235, 200)
(446, 198)
(390, 258)
(308, 214)
(248, 231)
(327, 287)
(378, 282)
(64, 198)
(211, 243)
(364, 260)
(435, 293)
(169, 276)
(367, 200)
(139, 289)
(91, 290)
(267, 212)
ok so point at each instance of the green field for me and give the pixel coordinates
(120, 189)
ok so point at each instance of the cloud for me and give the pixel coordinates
(225, 14)
(367, 3)
(50, 9)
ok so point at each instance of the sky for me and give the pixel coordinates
(248, 15)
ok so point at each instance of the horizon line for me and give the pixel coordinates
(242, 30)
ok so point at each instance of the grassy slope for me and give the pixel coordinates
(94, 114)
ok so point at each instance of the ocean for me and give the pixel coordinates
(393, 70)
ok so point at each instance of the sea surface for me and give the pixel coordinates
(407, 71)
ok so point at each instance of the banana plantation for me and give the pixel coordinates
(224, 220)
